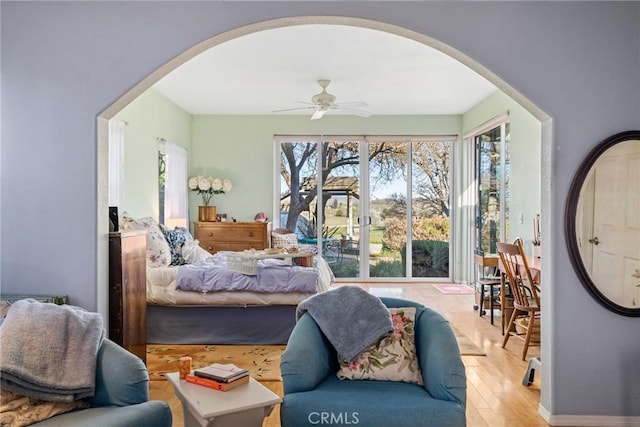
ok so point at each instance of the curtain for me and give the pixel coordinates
(116, 161)
(176, 196)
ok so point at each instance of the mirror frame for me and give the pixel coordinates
(570, 222)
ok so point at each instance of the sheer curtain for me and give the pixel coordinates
(176, 198)
(116, 161)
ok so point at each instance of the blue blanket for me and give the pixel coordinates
(351, 318)
(272, 275)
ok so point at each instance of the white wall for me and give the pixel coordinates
(65, 62)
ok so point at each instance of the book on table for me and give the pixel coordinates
(215, 384)
(222, 373)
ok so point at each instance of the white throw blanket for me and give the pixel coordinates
(351, 318)
(49, 351)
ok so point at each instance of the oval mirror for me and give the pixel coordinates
(602, 223)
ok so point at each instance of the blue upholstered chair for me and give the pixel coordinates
(121, 398)
(313, 393)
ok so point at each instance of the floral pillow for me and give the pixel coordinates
(176, 239)
(18, 410)
(158, 250)
(392, 358)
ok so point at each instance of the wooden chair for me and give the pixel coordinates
(506, 296)
(526, 301)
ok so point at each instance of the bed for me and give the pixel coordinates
(176, 316)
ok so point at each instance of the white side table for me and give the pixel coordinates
(246, 405)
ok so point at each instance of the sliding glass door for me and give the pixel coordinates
(431, 201)
(492, 177)
(376, 207)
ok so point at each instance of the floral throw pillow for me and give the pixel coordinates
(176, 239)
(158, 250)
(18, 411)
(392, 358)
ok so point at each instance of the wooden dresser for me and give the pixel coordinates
(128, 291)
(232, 236)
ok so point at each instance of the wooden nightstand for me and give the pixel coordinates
(232, 236)
(128, 291)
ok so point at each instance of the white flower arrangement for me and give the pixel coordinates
(207, 186)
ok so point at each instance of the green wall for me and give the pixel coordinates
(241, 148)
(150, 117)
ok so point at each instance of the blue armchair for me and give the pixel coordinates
(314, 395)
(121, 398)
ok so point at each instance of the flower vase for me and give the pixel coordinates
(207, 214)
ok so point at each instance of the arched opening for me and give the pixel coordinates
(147, 83)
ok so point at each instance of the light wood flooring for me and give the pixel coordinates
(495, 394)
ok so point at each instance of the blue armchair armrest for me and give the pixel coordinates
(121, 398)
(444, 376)
(121, 377)
(310, 360)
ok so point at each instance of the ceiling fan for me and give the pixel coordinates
(325, 101)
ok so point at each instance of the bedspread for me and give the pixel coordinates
(273, 275)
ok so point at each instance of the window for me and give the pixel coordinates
(172, 184)
(492, 178)
(377, 206)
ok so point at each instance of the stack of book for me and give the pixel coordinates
(219, 376)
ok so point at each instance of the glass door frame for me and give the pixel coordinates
(470, 138)
(365, 199)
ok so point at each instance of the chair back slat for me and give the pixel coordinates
(516, 267)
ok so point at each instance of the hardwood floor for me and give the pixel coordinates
(495, 394)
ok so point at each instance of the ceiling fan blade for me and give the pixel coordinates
(353, 104)
(318, 114)
(355, 112)
(293, 109)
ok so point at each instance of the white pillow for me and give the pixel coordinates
(193, 253)
(392, 358)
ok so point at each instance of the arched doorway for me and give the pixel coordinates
(110, 112)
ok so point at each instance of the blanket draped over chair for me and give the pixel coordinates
(351, 318)
(48, 351)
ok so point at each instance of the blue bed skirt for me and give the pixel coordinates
(269, 324)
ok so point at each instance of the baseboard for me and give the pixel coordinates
(588, 420)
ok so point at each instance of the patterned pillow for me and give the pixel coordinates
(176, 239)
(186, 232)
(193, 253)
(158, 251)
(18, 410)
(283, 240)
(392, 358)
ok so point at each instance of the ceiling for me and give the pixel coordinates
(279, 68)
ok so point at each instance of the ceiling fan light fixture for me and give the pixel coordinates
(325, 101)
(318, 114)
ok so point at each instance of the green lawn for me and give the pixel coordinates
(375, 232)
